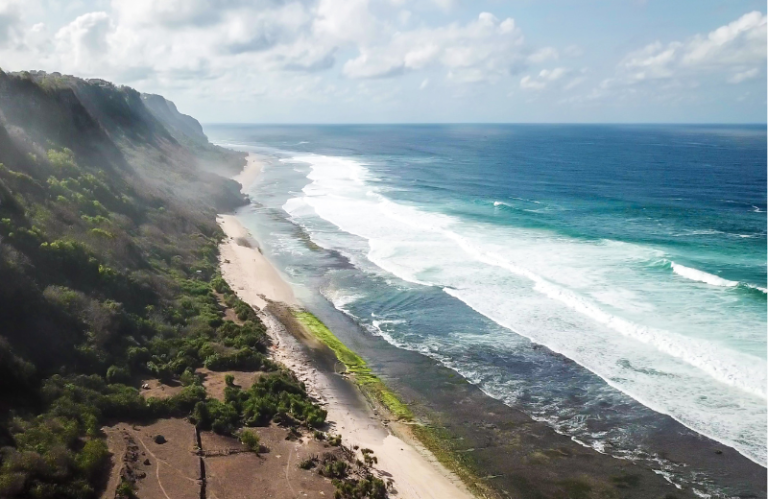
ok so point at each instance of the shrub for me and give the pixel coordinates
(251, 440)
(245, 359)
(125, 490)
(188, 378)
(334, 469)
(213, 415)
(220, 285)
(309, 462)
(93, 458)
(366, 488)
(117, 374)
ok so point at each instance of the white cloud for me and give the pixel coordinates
(10, 22)
(481, 50)
(345, 21)
(543, 79)
(321, 50)
(739, 44)
(85, 40)
(543, 55)
(744, 75)
(573, 51)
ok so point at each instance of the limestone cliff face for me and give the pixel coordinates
(182, 126)
(142, 138)
(104, 193)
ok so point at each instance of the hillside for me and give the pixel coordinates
(109, 275)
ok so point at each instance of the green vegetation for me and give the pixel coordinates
(108, 265)
(355, 365)
(368, 487)
(250, 440)
(309, 463)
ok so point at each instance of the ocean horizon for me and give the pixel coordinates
(598, 277)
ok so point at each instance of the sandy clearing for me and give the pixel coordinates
(273, 474)
(214, 381)
(159, 390)
(159, 471)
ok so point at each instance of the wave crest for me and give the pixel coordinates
(701, 276)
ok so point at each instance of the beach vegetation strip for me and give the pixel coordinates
(356, 367)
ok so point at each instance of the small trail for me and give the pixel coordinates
(157, 468)
(287, 467)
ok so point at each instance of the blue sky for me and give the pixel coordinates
(369, 61)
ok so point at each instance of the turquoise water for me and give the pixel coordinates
(635, 255)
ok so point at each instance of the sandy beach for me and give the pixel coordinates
(415, 471)
(253, 168)
(246, 270)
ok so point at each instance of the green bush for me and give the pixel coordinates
(334, 469)
(245, 359)
(117, 374)
(366, 488)
(213, 415)
(251, 440)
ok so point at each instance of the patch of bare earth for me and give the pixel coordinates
(168, 470)
(215, 384)
(156, 389)
(274, 473)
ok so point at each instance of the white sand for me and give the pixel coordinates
(415, 471)
(253, 168)
(246, 270)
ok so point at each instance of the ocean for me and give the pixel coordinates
(595, 277)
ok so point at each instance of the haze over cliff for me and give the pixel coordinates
(108, 241)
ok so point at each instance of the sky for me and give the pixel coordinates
(410, 61)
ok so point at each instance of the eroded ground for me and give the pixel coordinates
(216, 466)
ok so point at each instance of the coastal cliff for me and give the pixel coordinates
(121, 346)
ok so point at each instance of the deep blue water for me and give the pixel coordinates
(638, 252)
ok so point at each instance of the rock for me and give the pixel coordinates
(159, 439)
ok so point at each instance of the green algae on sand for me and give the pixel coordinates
(356, 366)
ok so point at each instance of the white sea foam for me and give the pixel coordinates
(589, 301)
(701, 276)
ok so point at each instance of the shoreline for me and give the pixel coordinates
(415, 471)
(499, 448)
